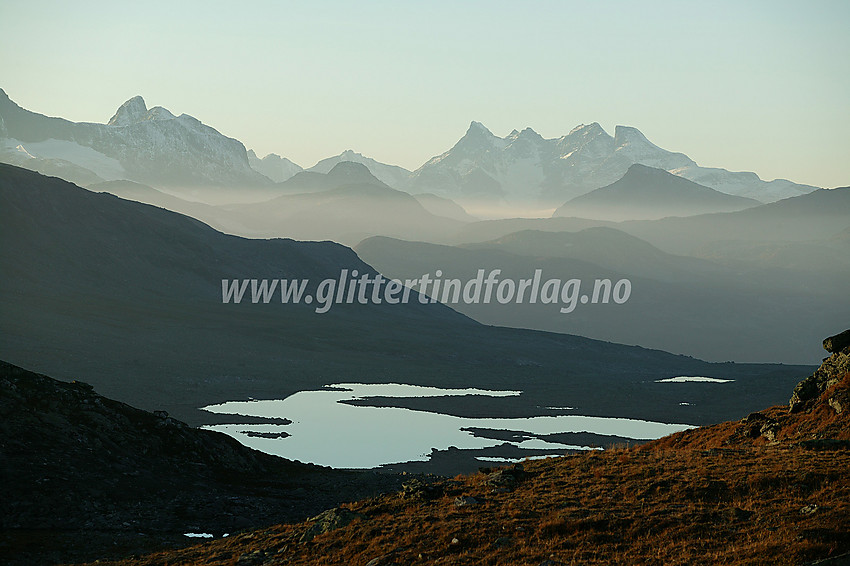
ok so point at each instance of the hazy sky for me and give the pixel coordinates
(762, 86)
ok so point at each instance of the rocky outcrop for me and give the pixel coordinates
(328, 521)
(837, 343)
(758, 424)
(833, 370)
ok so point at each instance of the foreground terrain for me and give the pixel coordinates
(769, 489)
(86, 477)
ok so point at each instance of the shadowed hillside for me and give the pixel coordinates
(87, 477)
(731, 307)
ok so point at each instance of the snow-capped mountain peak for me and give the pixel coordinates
(131, 112)
(627, 135)
(529, 134)
(586, 129)
(135, 111)
(524, 166)
(159, 113)
(146, 146)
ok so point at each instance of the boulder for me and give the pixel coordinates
(836, 343)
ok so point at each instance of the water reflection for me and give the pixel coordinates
(328, 432)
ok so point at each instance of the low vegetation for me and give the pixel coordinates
(772, 488)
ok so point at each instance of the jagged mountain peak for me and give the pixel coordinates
(135, 111)
(478, 139)
(479, 129)
(527, 133)
(587, 129)
(131, 112)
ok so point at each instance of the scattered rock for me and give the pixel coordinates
(506, 479)
(840, 401)
(418, 489)
(465, 501)
(769, 430)
(330, 520)
(758, 424)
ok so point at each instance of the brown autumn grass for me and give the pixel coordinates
(714, 495)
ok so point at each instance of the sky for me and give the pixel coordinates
(760, 86)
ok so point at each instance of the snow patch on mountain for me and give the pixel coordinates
(103, 166)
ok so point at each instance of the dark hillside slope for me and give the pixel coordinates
(86, 477)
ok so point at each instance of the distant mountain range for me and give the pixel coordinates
(714, 310)
(818, 215)
(525, 167)
(646, 193)
(481, 171)
(273, 166)
(392, 175)
(150, 146)
(346, 204)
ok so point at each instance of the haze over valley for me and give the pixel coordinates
(334, 283)
(713, 260)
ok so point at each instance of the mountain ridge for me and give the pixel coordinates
(649, 193)
(483, 171)
(525, 166)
